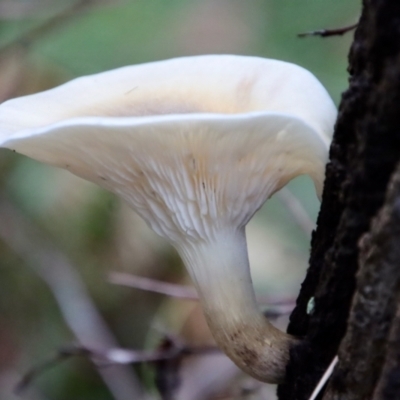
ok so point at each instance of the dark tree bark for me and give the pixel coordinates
(354, 273)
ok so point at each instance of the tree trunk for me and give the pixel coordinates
(354, 273)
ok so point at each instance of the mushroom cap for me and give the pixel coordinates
(193, 144)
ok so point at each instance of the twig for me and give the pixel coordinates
(11, 69)
(185, 292)
(297, 211)
(55, 22)
(153, 285)
(167, 351)
(77, 308)
(329, 32)
(9, 378)
(20, 45)
(61, 356)
(324, 378)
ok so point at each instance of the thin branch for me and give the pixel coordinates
(296, 209)
(39, 369)
(20, 45)
(180, 291)
(11, 69)
(324, 378)
(9, 378)
(76, 306)
(329, 32)
(153, 285)
(51, 24)
(167, 351)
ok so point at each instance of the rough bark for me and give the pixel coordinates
(363, 156)
(370, 349)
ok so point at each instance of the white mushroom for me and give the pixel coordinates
(195, 145)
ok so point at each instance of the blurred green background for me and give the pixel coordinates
(49, 216)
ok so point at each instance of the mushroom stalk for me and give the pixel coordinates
(220, 271)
